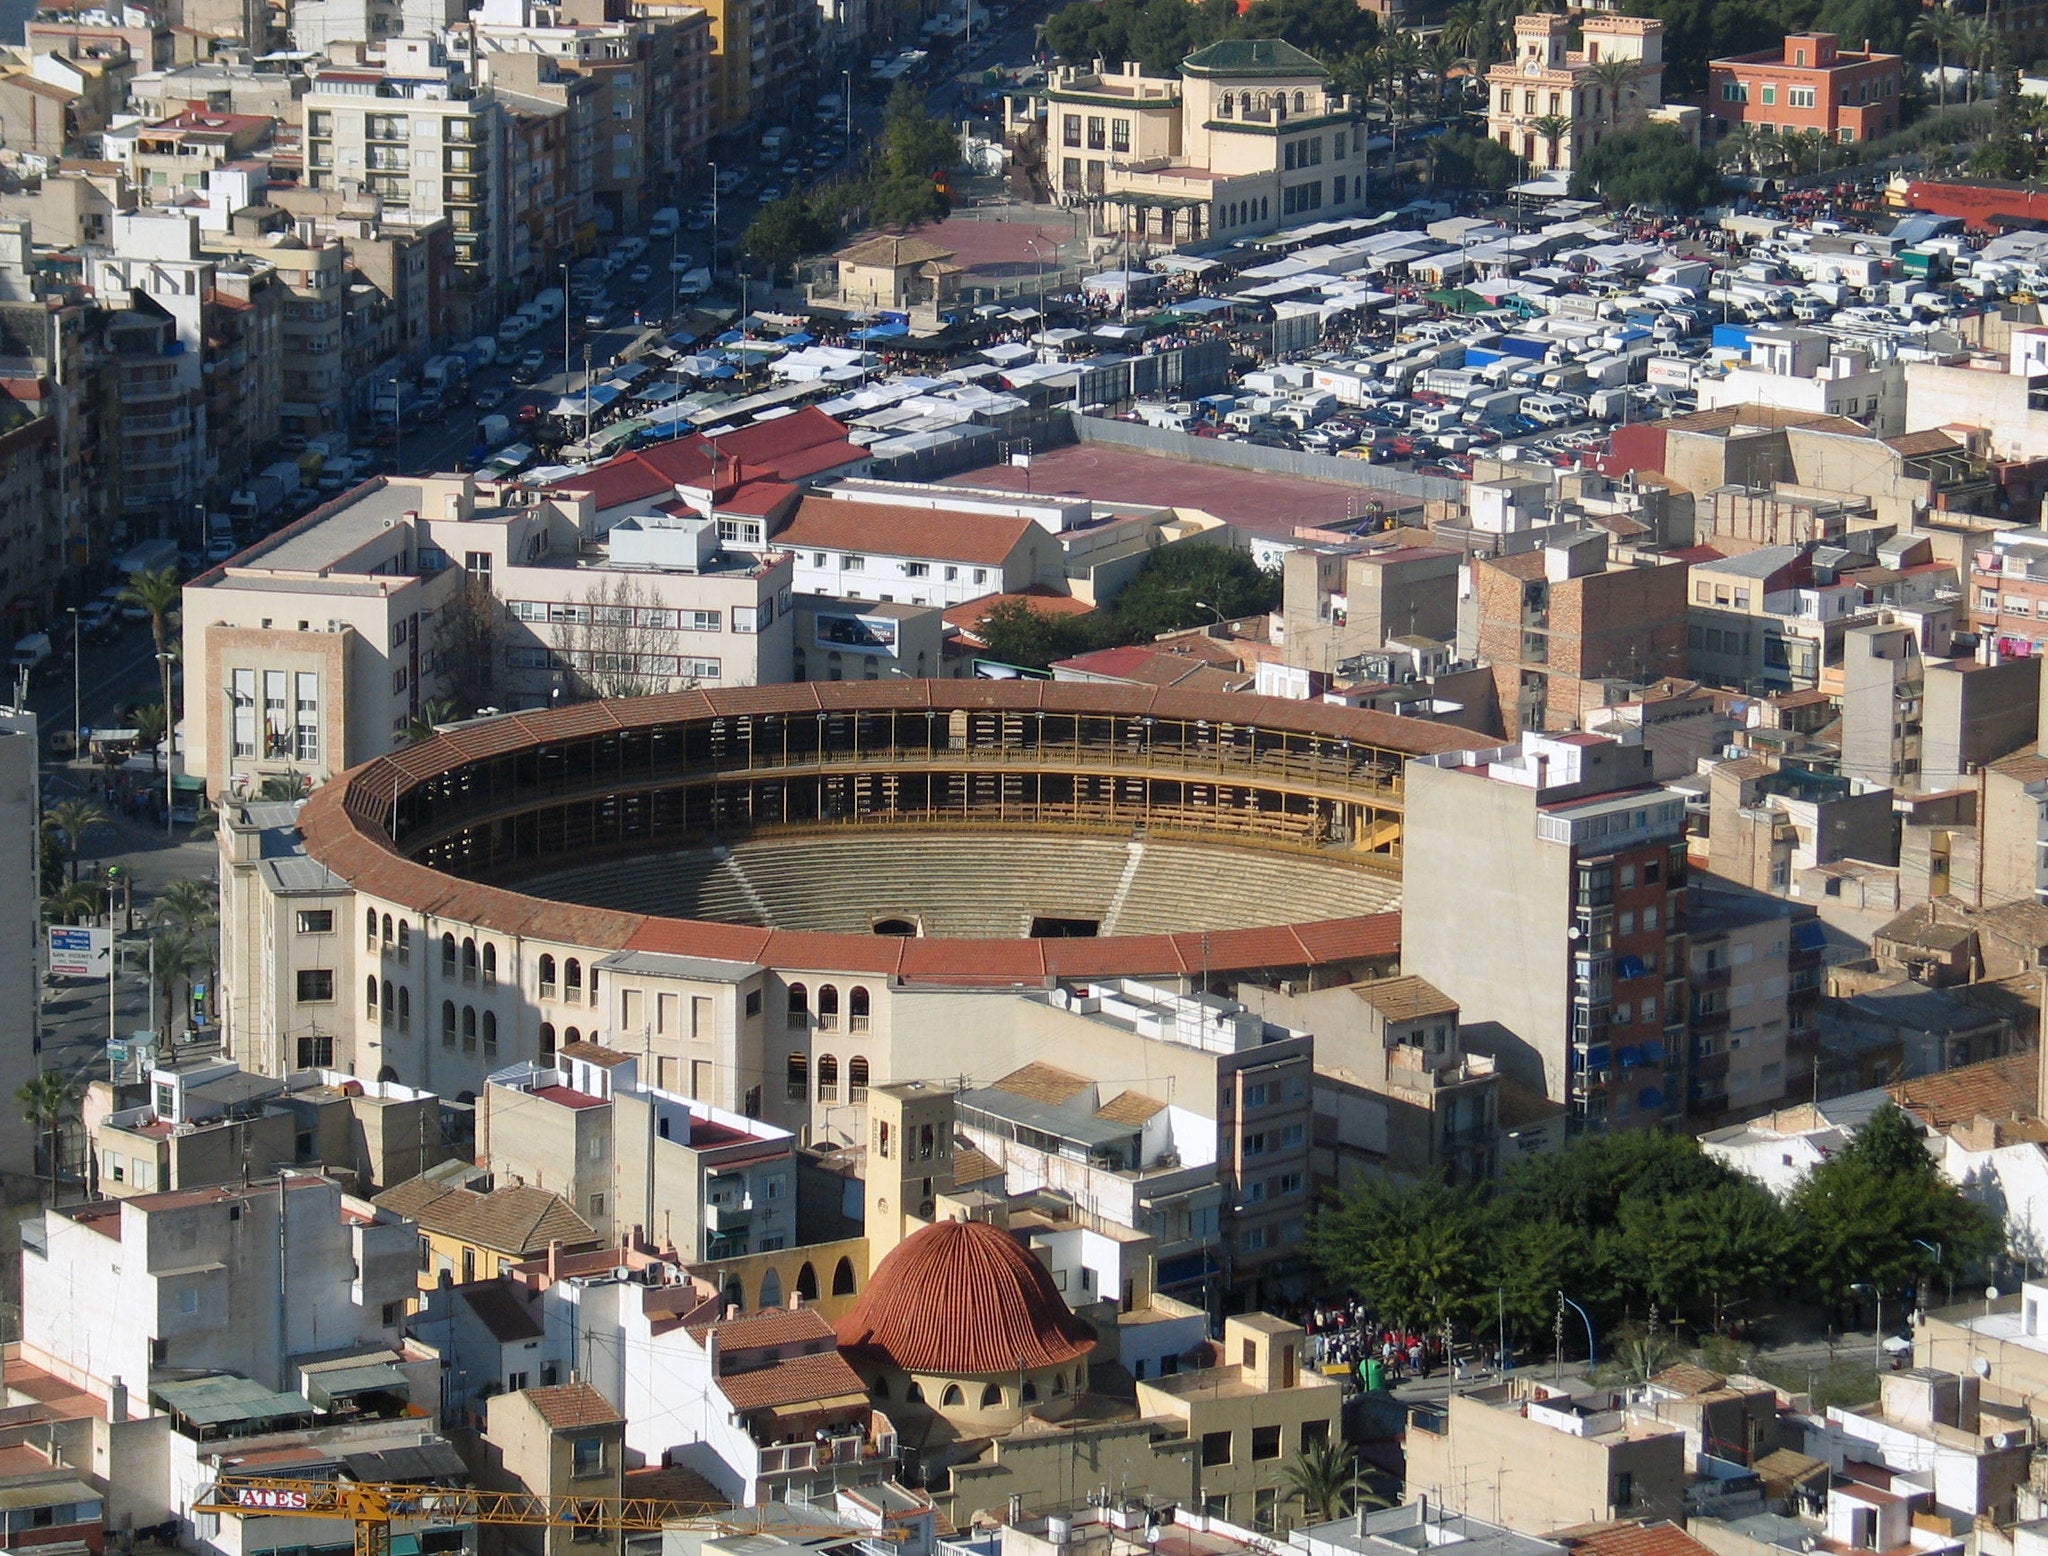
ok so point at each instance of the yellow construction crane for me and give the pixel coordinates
(372, 1506)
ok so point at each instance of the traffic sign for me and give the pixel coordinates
(79, 953)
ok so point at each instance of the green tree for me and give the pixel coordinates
(1533, 1260)
(1714, 1244)
(433, 712)
(1411, 1251)
(1187, 585)
(1584, 1184)
(1552, 128)
(1617, 78)
(176, 957)
(1473, 162)
(785, 232)
(1331, 30)
(906, 202)
(914, 142)
(1654, 165)
(68, 823)
(150, 726)
(45, 1101)
(74, 903)
(1891, 1144)
(192, 906)
(1886, 23)
(1017, 634)
(1874, 1213)
(1935, 26)
(158, 593)
(1323, 1478)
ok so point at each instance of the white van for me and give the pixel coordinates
(1551, 410)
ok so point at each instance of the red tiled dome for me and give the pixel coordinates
(963, 1297)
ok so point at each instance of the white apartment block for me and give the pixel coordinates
(1805, 370)
(240, 1279)
(318, 648)
(422, 135)
(20, 922)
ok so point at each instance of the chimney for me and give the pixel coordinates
(796, 1301)
(554, 1261)
(117, 1402)
(1542, 772)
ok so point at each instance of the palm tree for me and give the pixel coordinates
(1977, 43)
(191, 905)
(1553, 127)
(175, 957)
(1442, 57)
(158, 593)
(150, 728)
(284, 788)
(1741, 148)
(1323, 1478)
(1402, 58)
(1618, 76)
(1465, 27)
(435, 710)
(1936, 27)
(71, 820)
(73, 904)
(44, 1102)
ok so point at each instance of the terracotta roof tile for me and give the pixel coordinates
(1685, 1378)
(571, 1407)
(912, 1314)
(979, 539)
(1129, 1107)
(1997, 1088)
(1636, 1540)
(796, 1381)
(1043, 1083)
(518, 1220)
(770, 1326)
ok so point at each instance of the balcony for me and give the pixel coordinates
(731, 1215)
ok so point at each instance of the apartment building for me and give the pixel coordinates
(557, 1440)
(1341, 601)
(1569, 629)
(649, 97)
(718, 1184)
(424, 136)
(1249, 135)
(1919, 718)
(319, 386)
(242, 1279)
(1547, 85)
(20, 828)
(204, 1120)
(1809, 82)
(1546, 895)
(406, 264)
(323, 643)
(470, 1227)
(853, 543)
(1806, 370)
(1770, 820)
(169, 160)
(1136, 1161)
(1233, 1077)
(159, 288)
(555, 141)
(1539, 1456)
(1754, 976)
(1396, 1088)
(1253, 1413)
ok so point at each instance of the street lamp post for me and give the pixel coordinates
(846, 79)
(77, 720)
(565, 327)
(397, 427)
(163, 662)
(1877, 1340)
(712, 258)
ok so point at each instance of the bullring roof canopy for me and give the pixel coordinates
(448, 800)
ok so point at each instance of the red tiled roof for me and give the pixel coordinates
(963, 1297)
(796, 1381)
(980, 539)
(770, 1326)
(570, 1407)
(1635, 1540)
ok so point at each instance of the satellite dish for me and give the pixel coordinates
(1982, 1366)
(1990, 1293)
(2001, 1441)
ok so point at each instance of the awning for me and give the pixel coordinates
(47, 1493)
(325, 1388)
(818, 1407)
